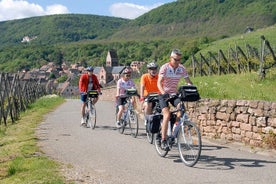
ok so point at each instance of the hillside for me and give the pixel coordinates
(188, 25)
(188, 19)
(58, 29)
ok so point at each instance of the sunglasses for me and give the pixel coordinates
(176, 59)
(127, 75)
(152, 68)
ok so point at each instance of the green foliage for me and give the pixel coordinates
(52, 76)
(191, 26)
(75, 81)
(58, 29)
(245, 86)
(62, 79)
(187, 19)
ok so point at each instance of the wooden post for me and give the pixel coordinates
(262, 71)
(193, 63)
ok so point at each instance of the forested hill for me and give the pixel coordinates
(188, 25)
(59, 28)
(199, 18)
(183, 18)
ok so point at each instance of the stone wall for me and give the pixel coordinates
(243, 121)
(249, 122)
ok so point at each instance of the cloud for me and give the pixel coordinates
(130, 11)
(17, 9)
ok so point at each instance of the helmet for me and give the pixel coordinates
(152, 65)
(127, 71)
(90, 68)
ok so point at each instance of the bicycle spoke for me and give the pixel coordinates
(189, 143)
(93, 116)
(133, 123)
(157, 143)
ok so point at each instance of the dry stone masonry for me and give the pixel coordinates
(249, 122)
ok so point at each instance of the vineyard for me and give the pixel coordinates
(16, 95)
(235, 60)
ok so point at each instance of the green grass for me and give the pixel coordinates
(21, 160)
(253, 39)
(245, 86)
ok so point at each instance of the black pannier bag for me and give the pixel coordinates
(153, 122)
(131, 92)
(93, 93)
(188, 93)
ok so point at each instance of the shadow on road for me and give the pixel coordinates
(227, 163)
(209, 162)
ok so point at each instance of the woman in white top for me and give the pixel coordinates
(124, 83)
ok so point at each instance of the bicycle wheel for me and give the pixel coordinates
(189, 143)
(86, 118)
(149, 137)
(93, 116)
(157, 142)
(133, 123)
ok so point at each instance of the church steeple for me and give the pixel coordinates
(112, 58)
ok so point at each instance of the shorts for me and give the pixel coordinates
(121, 101)
(150, 99)
(165, 103)
(83, 96)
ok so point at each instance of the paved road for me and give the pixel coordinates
(105, 156)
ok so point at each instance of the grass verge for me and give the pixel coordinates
(21, 160)
(244, 86)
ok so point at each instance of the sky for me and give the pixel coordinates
(130, 9)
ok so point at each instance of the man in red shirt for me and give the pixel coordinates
(88, 81)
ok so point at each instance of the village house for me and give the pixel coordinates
(110, 73)
(107, 75)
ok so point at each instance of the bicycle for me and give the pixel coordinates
(152, 98)
(186, 133)
(129, 116)
(90, 110)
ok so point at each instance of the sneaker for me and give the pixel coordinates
(171, 140)
(82, 122)
(118, 124)
(164, 145)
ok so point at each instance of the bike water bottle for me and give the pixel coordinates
(176, 128)
(169, 131)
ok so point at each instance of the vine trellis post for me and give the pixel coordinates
(237, 61)
(16, 95)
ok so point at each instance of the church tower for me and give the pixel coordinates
(112, 58)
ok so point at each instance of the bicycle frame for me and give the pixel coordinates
(126, 113)
(91, 109)
(129, 117)
(187, 135)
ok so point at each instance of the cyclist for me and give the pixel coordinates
(169, 75)
(88, 81)
(125, 82)
(148, 84)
